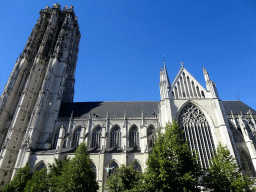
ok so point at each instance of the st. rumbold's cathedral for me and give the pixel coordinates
(39, 120)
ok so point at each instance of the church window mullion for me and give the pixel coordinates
(191, 138)
(196, 144)
(199, 143)
(203, 144)
(208, 147)
(187, 136)
(212, 149)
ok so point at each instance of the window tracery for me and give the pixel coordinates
(134, 136)
(197, 133)
(151, 138)
(96, 137)
(76, 136)
(115, 137)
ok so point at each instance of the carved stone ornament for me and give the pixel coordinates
(190, 114)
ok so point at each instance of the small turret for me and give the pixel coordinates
(165, 84)
(211, 87)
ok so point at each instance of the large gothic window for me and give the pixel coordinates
(151, 137)
(134, 136)
(115, 137)
(197, 133)
(76, 135)
(96, 136)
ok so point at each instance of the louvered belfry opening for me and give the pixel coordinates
(197, 133)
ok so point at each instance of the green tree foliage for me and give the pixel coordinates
(171, 166)
(123, 179)
(224, 173)
(78, 175)
(38, 182)
(55, 171)
(19, 181)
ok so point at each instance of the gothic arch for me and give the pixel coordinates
(138, 165)
(94, 168)
(207, 116)
(113, 164)
(41, 164)
(197, 132)
(115, 136)
(75, 136)
(246, 163)
(134, 138)
(96, 137)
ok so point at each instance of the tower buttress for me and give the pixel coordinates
(165, 102)
(30, 102)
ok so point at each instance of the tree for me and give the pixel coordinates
(55, 171)
(171, 166)
(77, 175)
(224, 174)
(19, 181)
(123, 179)
(38, 182)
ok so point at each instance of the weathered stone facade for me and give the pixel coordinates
(39, 120)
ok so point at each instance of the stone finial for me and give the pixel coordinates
(206, 75)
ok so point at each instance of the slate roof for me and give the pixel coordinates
(237, 107)
(115, 109)
(132, 108)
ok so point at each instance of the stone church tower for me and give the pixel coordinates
(42, 79)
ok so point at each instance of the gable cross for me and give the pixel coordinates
(181, 64)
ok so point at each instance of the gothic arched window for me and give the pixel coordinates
(40, 166)
(113, 166)
(137, 166)
(115, 137)
(96, 137)
(150, 131)
(134, 136)
(56, 136)
(76, 135)
(197, 133)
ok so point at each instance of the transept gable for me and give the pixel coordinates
(186, 86)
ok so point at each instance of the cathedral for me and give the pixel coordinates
(40, 122)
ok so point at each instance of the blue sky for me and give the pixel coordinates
(123, 42)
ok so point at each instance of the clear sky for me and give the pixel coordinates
(123, 42)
